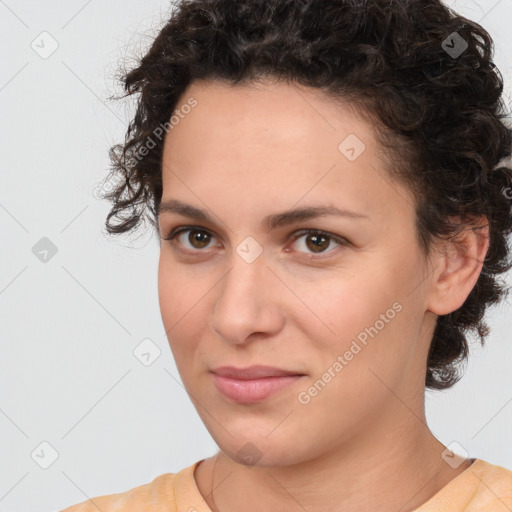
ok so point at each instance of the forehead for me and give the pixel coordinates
(268, 140)
(272, 110)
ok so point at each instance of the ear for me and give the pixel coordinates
(458, 263)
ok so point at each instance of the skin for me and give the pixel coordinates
(243, 153)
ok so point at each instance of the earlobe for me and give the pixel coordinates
(459, 262)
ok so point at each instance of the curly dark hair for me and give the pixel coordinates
(439, 112)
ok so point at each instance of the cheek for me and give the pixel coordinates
(375, 346)
(344, 305)
(351, 370)
(179, 288)
(167, 286)
(185, 305)
(176, 298)
(365, 318)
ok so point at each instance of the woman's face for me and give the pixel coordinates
(345, 309)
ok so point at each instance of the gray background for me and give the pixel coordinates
(69, 326)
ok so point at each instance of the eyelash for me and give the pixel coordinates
(298, 234)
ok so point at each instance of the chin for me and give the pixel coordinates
(261, 450)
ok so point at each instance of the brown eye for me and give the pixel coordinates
(317, 241)
(197, 238)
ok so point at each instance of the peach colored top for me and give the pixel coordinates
(482, 487)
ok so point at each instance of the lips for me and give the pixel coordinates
(253, 372)
(253, 384)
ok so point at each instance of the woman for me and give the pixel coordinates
(328, 182)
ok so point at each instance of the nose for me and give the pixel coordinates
(246, 304)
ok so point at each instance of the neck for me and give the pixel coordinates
(391, 468)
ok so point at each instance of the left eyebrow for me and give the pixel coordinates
(270, 222)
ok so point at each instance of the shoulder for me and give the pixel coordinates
(160, 492)
(493, 487)
(482, 487)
